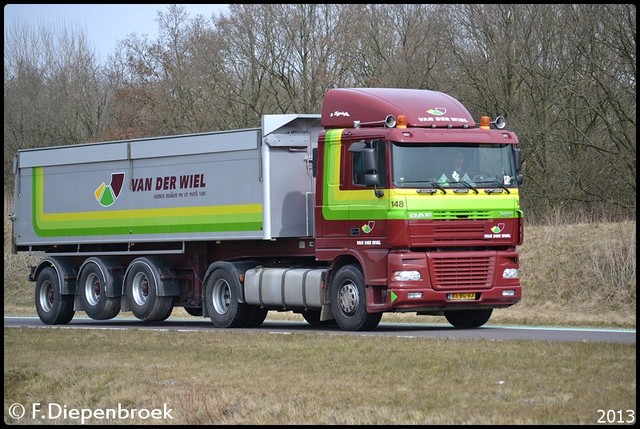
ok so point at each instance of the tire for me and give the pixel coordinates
(193, 311)
(141, 290)
(312, 317)
(349, 303)
(468, 318)
(92, 288)
(222, 298)
(52, 306)
(257, 317)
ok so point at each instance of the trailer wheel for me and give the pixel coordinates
(94, 280)
(222, 298)
(349, 303)
(141, 289)
(53, 308)
(468, 318)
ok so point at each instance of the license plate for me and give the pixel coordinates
(461, 296)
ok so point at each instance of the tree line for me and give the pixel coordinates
(564, 77)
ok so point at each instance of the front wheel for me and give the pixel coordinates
(349, 303)
(312, 317)
(468, 318)
(52, 306)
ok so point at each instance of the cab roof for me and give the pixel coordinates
(370, 106)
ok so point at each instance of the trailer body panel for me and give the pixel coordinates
(200, 187)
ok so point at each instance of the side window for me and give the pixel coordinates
(358, 169)
(358, 165)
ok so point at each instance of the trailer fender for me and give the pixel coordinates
(66, 271)
(112, 271)
(165, 280)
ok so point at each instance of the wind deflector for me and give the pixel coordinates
(422, 108)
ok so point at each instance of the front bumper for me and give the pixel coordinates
(449, 280)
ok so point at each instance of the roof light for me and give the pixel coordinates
(485, 123)
(402, 121)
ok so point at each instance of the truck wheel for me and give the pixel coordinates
(257, 317)
(94, 279)
(53, 308)
(141, 289)
(312, 317)
(349, 303)
(468, 318)
(222, 298)
(193, 311)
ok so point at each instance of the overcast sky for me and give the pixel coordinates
(104, 24)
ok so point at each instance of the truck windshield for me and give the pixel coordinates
(453, 165)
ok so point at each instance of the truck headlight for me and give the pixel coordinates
(510, 273)
(404, 276)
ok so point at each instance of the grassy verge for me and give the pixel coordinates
(219, 377)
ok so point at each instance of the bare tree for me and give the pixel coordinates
(54, 90)
(598, 104)
(564, 76)
(158, 80)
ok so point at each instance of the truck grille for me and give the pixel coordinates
(461, 271)
(431, 233)
(461, 214)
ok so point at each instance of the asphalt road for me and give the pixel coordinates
(413, 330)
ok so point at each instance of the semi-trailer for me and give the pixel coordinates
(390, 200)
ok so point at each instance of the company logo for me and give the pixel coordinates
(438, 111)
(424, 215)
(337, 113)
(497, 232)
(368, 227)
(106, 195)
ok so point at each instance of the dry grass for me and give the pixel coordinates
(222, 377)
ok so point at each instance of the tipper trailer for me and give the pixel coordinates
(391, 200)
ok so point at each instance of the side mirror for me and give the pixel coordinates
(369, 159)
(370, 165)
(371, 180)
(517, 156)
(371, 176)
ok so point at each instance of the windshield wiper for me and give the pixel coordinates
(489, 191)
(432, 183)
(435, 185)
(468, 185)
